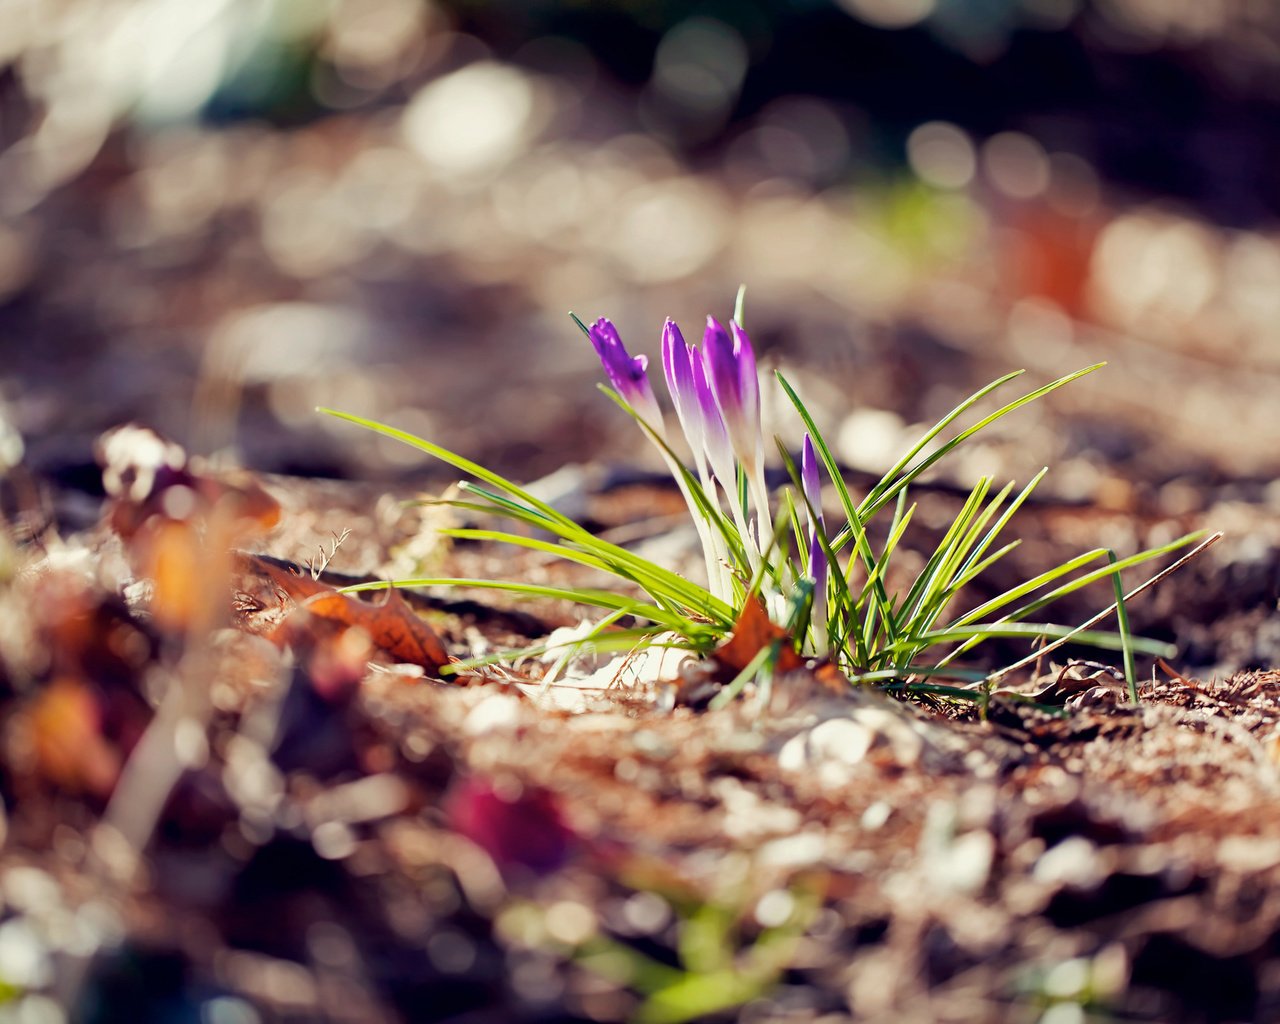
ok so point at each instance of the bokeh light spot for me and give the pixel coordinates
(941, 155)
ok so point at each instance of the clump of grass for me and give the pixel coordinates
(819, 578)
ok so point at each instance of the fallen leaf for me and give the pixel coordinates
(392, 627)
(753, 631)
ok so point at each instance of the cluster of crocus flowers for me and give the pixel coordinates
(715, 390)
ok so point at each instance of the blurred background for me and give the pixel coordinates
(217, 215)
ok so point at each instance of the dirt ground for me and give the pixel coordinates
(296, 836)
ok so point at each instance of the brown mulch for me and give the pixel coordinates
(325, 838)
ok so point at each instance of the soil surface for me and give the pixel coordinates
(234, 811)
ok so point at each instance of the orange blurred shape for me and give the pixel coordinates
(147, 476)
(65, 732)
(245, 503)
(87, 633)
(172, 556)
(1047, 254)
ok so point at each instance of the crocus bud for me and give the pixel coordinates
(628, 376)
(677, 365)
(812, 486)
(715, 438)
(731, 369)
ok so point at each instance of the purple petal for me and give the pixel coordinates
(675, 366)
(626, 374)
(722, 368)
(817, 561)
(715, 438)
(748, 381)
(812, 485)
(678, 361)
(809, 476)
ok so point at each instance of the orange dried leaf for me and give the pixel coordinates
(290, 580)
(753, 631)
(392, 627)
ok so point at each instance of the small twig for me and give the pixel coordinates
(317, 568)
(1200, 548)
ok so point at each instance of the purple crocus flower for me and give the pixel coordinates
(715, 437)
(731, 368)
(628, 376)
(696, 405)
(677, 366)
(813, 495)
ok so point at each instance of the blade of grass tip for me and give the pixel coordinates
(456, 461)
(931, 576)
(507, 506)
(739, 304)
(952, 574)
(975, 565)
(1079, 634)
(1126, 640)
(873, 502)
(1195, 552)
(581, 326)
(887, 480)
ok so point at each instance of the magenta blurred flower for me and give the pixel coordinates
(628, 376)
(518, 826)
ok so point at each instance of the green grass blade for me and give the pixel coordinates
(875, 501)
(457, 462)
(933, 577)
(1036, 630)
(1103, 573)
(854, 520)
(896, 469)
(1126, 638)
(577, 595)
(837, 583)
